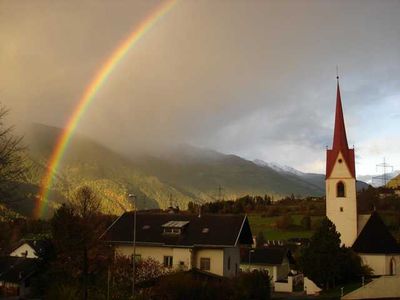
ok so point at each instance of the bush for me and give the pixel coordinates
(188, 286)
(306, 222)
(284, 222)
(252, 285)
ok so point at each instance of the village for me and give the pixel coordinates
(199, 150)
(174, 254)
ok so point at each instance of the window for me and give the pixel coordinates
(229, 263)
(168, 261)
(341, 209)
(181, 265)
(205, 263)
(172, 230)
(340, 190)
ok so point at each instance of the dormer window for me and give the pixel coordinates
(174, 227)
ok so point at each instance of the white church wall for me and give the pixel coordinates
(380, 263)
(342, 211)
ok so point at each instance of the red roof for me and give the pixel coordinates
(340, 142)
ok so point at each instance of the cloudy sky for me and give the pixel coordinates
(252, 78)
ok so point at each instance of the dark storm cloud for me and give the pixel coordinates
(247, 77)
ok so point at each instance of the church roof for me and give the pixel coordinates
(340, 141)
(376, 238)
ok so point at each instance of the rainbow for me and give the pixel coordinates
(87, 98)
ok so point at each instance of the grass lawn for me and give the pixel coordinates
(267, 226)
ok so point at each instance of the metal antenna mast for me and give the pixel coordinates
(220, 189)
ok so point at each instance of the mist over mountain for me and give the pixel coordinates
(379, 180)
(175, 176)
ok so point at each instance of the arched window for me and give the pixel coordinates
(340, 190)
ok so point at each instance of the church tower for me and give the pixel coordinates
(341, 202)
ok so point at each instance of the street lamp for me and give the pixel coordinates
(133, 197)
(250, 252)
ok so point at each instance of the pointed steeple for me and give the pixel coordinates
(340, 141)
(339, 136)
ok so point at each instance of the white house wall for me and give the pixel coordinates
(282, 271)
(24, 248)
(234, 254)
(216, 259)
(190, 257)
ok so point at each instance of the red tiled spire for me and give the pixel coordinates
(339, 137)
(340, 141)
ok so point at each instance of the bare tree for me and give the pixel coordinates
(86, 205)
(85, 202)
(12, 157)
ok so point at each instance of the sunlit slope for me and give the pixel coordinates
(394, 182)
(86, 162)
(184, 174)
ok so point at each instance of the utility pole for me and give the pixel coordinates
(220, 189)
(133, 197)
(384, 178)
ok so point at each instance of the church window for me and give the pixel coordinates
(340, 190)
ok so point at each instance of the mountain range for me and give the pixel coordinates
(175, 177)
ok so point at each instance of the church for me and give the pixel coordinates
(366, 234)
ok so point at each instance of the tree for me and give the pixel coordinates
(319, 261)
(12, 158)
(76, 228)
(306, 222)
(284, 222)
(326, 263)
(252, 285)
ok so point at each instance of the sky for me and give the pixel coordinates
(251, 78)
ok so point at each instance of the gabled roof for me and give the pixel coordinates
(15, 269)
(264, 256)
(375, 238)
(39, 246)
(339, 144)
(222, 230)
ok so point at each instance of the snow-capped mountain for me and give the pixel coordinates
(377, 180)
(278, 167)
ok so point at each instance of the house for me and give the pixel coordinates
(274, 260)
(210, 243)
(30, 248)
(15, 275)
(366, 234)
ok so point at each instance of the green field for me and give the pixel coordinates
(267, 225)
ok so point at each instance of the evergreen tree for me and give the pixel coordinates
(319, 261)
